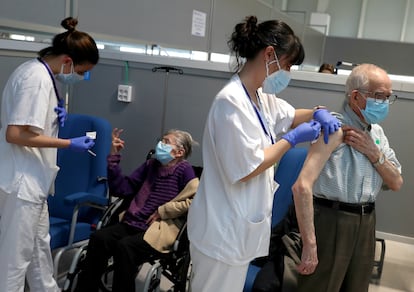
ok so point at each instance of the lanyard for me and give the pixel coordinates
(258, 114)
(53, 80)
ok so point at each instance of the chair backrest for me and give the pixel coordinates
(81, 171)
(286, 174)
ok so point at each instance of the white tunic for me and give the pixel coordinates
(230, 220)
(28, 99)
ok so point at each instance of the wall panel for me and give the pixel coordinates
(164, 22)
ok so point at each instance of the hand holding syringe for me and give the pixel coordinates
(91, 135)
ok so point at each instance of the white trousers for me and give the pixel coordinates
(211, 275)
(25, 246)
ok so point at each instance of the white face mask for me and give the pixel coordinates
(70, 78)
(277, 81)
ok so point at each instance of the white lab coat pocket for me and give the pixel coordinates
(49, 179)
(38, 183)
(256, 236)
(10, 176)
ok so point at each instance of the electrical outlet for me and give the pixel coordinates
(124, 93)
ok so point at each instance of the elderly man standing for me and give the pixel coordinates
(336, 190)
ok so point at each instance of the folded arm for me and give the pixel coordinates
(178, 206)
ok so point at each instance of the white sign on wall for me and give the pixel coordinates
(199, 23)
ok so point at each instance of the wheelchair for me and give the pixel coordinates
(174, 266)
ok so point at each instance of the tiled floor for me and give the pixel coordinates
(397, 275)
(398, 270)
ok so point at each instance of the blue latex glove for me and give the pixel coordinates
(329, 123)
(81, 144)
(61, 112)
(304, 132)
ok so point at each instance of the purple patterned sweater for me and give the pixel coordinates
(150, 186)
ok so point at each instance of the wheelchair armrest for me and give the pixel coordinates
(85, 198)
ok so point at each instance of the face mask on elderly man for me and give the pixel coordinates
(374, 112)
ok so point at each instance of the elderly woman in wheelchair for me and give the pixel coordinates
(160, 192)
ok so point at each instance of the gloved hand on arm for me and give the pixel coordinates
(61, 112)
(308, 131)
(81, 144)
(329, 123)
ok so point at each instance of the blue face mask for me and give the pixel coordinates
(374, 112)
(163, 153)
(70, 78)
(277, 81)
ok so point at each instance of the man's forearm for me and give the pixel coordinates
(304, 212)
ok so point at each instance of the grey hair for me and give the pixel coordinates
(360, 77)
(183, 139)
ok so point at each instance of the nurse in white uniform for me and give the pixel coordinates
(247, 131)
(31, 113)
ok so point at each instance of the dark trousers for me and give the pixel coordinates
(128, 249)
(346, 250)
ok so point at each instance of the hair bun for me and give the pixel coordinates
(251, 24)
(69, 23)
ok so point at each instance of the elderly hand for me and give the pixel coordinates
(329, 123)
(154, 217)
(117, 143)
(361, 141)
(309, 260)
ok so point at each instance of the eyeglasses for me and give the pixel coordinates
(381, 97)
(167, 141)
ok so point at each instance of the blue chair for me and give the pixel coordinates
(80, 186)
(286, 174)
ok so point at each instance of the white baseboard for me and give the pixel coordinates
(395, 237)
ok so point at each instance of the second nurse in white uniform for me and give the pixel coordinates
(230, 216)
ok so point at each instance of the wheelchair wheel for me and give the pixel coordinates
(106, 280)
(105, 285)
(76, 267)
(183, 274)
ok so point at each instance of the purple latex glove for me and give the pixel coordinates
(61, 112)
(329, 123)
(308, 131)
(81, 144)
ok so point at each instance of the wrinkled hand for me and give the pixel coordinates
(154, 217)
(309, 260)
(329, 123)
(81, 144)
(308, 131)
(117, 142)
(61, 112)
(360, 140)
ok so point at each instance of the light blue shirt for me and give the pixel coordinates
(348, 175)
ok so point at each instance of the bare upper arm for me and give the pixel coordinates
(319, 153)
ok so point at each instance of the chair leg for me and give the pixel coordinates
(56, 261)
(378, 263)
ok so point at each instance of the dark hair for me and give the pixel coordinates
(326, 66)
(78, 45)
(249, 38)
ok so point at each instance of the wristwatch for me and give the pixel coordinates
(380, 160)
